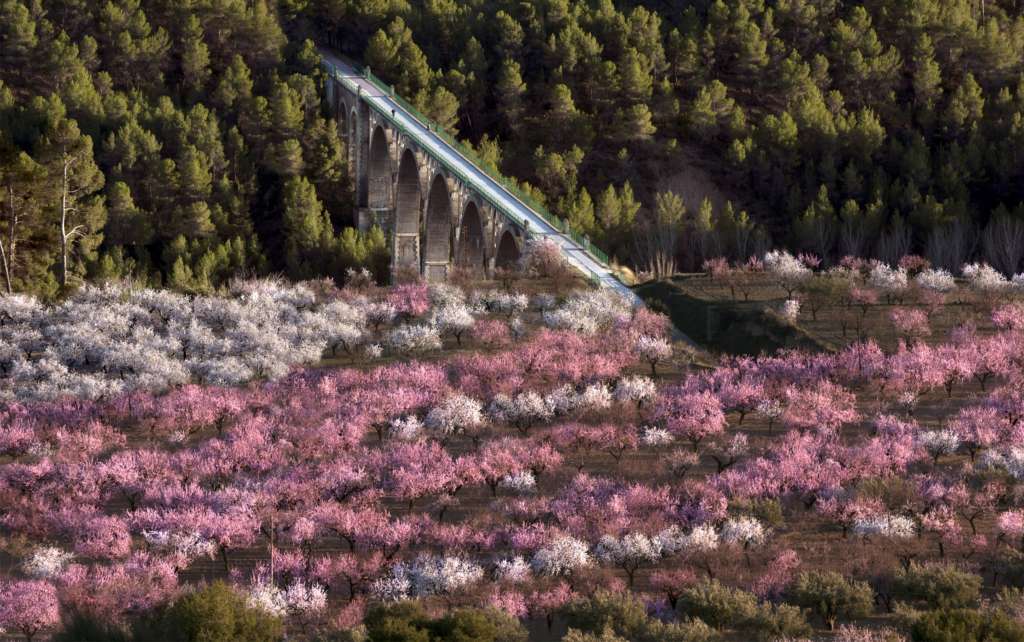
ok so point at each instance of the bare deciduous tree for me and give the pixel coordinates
(1003, 243)
(951, 246)
(657, 239)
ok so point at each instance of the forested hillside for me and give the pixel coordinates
(181, 143)
(866, 128)
(173, 142)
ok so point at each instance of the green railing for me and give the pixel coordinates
(470, 154)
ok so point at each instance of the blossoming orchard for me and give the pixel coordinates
(327, 452)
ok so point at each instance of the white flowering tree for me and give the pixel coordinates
(629, 552)
(107, 340)
(454, 319)
(589, 311)
(653, 350)
(427, 575)
(46, 562)
(745, 532)
(561, 556)
(512, 569)
(522, 411)
(983, 278)
(410, 338)
(890, 281)
(936, 280)
(789, 271)
(938, 443)
(636, 389)
(456, 414)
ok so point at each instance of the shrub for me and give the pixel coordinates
(937, 586)
(832, 596)
(478, 625)
(215, 613)
(81, 627)
(718, 605)
(607, 635)
(966, 625)
(408, 622)
(782, 621)
(624, 615)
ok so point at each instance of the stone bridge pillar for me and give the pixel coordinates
(435, 222)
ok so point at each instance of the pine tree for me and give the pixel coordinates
(74, 180)
(22, 225)
(195, 57)
(509, 91)
(18, 41)
(126, 223)
(636, 82)
(305, 227)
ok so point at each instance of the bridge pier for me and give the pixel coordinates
(435, 222)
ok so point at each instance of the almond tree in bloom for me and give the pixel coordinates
(791, 273)
(910, 323)
(561, 556)
(985, 279)
(629, 552)
(892, 282)
(454, 319)
(46, 562)
(824, 406)
(639, 390)
(790, 311)
(428, 575)
(29, 607)
(745, 532)
(653, 350)
(690, 415)
(456, 414)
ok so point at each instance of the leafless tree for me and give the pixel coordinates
(894, 242)
(1003, 243)
(951, 246)
(657, 238)
(656, 248)
(853, 238)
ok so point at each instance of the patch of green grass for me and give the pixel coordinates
(724, 326)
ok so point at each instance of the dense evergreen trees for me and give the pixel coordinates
(176, 143)
(846, 127)
(193, 132)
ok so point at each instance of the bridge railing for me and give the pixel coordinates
(470, 154)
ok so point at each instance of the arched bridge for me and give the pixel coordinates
(442, 209)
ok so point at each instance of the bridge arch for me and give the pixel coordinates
(508, 251)
(379, 170)
(437, 250)
(343, 129)
(408, 199)
(470, 253)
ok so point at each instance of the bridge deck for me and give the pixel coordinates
(476, 178)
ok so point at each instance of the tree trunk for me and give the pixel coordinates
(8, 254)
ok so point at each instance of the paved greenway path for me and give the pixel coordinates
(477, 179)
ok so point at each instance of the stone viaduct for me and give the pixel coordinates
(434, 219)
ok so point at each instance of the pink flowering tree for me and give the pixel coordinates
(690, 415)
(29, 607)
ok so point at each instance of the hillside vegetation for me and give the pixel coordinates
(175, 143)
(197, 147)
(860, 128)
